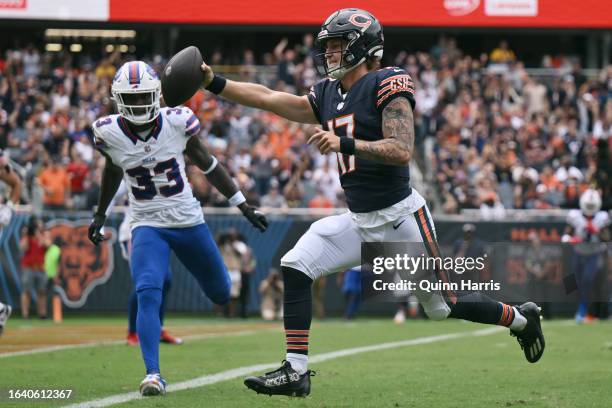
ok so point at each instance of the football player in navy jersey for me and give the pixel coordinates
(366, 118)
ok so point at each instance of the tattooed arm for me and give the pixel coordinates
(398, 132)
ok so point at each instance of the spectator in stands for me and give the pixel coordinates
(271, 291)
(247, 267)
(55, 182)
(502, 54)
(33, 276)
(232, 251)
(77, 172)
(273, 199)
(468, 117)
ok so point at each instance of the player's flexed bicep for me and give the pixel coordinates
(289, 106)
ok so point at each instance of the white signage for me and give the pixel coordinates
(89, 10)
(511, 8)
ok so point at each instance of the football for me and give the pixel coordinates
(182, 76)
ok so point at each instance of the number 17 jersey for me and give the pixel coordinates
(154, 168)
(368, 185)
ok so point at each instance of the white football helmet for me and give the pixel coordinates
(136, 90)
(590, 202)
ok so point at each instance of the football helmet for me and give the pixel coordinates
(590, 202)
(361, 36)
(136, 90)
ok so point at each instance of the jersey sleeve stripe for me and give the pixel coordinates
(193, 130)
(191, 120)
(410, 85)
(381, 100)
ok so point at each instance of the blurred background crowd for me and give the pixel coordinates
(490, 133)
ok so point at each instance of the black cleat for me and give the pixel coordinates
(282, 381)
(531, 337)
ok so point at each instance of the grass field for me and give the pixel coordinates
(445, 365)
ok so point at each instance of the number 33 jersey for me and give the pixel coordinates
(368, 185)
(154, 167)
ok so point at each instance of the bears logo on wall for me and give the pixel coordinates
(83, 266)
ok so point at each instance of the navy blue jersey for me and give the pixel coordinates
(368, 185)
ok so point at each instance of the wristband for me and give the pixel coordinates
(217, 84)
(213, 165)
(237, 199)
(347, 145)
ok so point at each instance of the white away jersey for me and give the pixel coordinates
(154, 169)
(579, 222)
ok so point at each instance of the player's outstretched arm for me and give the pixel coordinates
(398, 131)
(218, 176)
(289, 106)
(111, 179)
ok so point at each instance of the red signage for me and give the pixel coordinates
(13, 4)
(407, 13)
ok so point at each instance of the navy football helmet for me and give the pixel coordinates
(362, 38)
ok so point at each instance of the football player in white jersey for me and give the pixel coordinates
(11, 179)
(588, 225)
(145, 145)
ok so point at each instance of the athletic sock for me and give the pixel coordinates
(299, 362)
(149, 327)
(519, 322)
(297, 316)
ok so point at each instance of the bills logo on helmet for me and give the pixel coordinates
(83, 266)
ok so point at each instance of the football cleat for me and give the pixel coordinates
(531, 338)
(132, 339)
(170, 339)
(5, 313)
(282, 381)
(153, 384)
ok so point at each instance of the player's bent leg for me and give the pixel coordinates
(150, 257)
(197, 250)
(330, 245)
(523, 322)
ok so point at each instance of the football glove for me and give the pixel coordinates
(255, 217)
(95, 234)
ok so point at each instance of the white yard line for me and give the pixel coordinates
(242, 371)
(50, 349)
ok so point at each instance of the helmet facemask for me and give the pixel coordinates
(347, 61)
(139, 106)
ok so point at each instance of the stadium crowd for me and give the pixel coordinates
(489, 135)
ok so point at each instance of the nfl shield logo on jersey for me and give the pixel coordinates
(147, 148)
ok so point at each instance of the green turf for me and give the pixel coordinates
(486, 371)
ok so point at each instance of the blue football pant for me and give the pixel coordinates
(197, 251)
